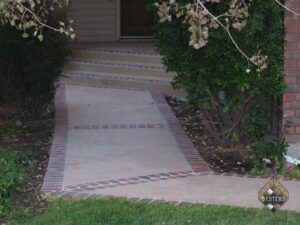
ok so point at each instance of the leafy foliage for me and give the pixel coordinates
(11, 176)
(29, 68)
(272, 150)
(232, 95)
(31, 17)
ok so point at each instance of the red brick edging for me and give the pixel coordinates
(117, 126)
(129, 181)
(55, 171)
(191, 154)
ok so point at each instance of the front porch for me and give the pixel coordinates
(130, 64)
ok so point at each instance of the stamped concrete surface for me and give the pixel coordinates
(102, 143)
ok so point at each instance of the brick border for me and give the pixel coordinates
(92, 186)
(118, 126)
(191, 154)
(55, 170)
(71, 191)
(98, 185)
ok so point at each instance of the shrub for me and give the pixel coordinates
(29, 68)
(271, 150)
(10, 178)
(234, 102)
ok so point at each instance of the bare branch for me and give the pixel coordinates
(287, 8)
(227, 30)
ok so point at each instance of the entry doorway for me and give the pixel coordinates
(136, 22)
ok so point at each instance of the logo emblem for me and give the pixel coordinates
(273, 195)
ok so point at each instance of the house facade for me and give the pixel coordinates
(110, 20)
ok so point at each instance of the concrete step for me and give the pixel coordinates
(134, 68)
(117, 67)
(116, 55)
(119, 77)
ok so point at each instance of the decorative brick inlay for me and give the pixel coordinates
(116, 51)
(190, 152)
(291, 99)
(117, 126)
(55, 171)
(119, 65)
(118, 77)
(81, 190)
(128, 181)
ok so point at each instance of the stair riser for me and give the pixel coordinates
(118, 70)
(117, 57)
(119, 77)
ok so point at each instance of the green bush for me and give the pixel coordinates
(235, 105)
(272, 150)
(11, 176)
(29, 68)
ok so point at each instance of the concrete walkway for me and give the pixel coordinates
(115, 134)
(126, 142)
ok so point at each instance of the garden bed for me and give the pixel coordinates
(31, 142)
(238, 159)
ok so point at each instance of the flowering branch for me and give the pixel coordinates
(200, 20)
(32, 16)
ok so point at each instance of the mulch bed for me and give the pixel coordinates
(238, 159)
(31, 140)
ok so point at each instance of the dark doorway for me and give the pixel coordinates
(135, 20)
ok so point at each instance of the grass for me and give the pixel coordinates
(119, 212)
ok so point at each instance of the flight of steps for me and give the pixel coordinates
(119, 68)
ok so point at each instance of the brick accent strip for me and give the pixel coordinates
(191, 154)
(55, 171)
(163, 81)
(128, 181)
(117, 126)
(71, 191)
(118, 65)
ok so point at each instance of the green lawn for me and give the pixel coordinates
(118, 211)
